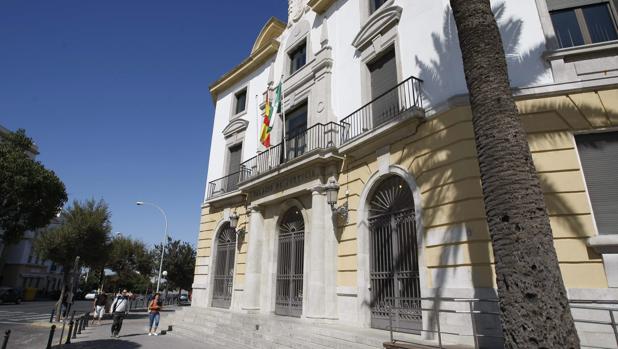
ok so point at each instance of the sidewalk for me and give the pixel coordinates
(132, 336)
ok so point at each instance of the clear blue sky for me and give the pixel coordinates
(115, 94)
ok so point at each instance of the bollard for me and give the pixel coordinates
(51, 317)
(51, 337)
(87, 315)
(7, 334)
(69, 333)
(73, 315)
(75, 326)
(80, 323)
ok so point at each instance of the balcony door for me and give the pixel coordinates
(296, 132)
(233, 168)
(385, 103)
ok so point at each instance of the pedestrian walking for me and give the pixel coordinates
(154, 307)
(100, 301)
(118, 310)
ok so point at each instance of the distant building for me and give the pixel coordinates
(22, 267)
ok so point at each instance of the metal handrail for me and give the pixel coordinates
(318, 136)
(223, 185)
(574, 304)
(387, 106)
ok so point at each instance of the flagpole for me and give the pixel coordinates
(285, 155)
(257, 119)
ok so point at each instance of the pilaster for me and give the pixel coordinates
(254, 260)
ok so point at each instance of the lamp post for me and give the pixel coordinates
(141, 203)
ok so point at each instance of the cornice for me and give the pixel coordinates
(265, 46)
(320, 6)
(271, 31)
(245, 68)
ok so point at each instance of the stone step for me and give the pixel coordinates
(280, 332)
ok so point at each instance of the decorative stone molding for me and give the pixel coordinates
(604, 244)
(296, 8)
(607, 246)
(320, 6)
(380, 21)
(235, 126)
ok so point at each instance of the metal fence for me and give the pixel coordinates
(223, 185)
(477, 307)
(297, 144)
(391, 104)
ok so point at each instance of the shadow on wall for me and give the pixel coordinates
(454, 152)
(443, 77)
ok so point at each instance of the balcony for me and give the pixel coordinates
(398, 101)
(388, 108)
(222, 186)
(311, 140)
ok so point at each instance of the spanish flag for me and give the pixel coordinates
(269, 110)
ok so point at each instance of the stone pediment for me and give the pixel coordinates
(235, 126)
(379, 22)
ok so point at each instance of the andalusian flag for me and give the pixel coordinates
(268, 120)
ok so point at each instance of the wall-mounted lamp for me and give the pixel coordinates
(332, 190)
(240, 233)
(234, 220)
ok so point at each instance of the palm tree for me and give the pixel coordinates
(534, 308)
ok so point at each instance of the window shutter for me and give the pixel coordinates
(598, 153)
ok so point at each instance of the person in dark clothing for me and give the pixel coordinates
(118, 310)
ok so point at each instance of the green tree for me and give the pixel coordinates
(534, 308)
(179, 262)
(84, 231)
(132, 262)
(30, 194)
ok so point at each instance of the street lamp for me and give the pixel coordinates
(141, 203)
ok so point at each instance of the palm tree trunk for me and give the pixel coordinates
(534, 308)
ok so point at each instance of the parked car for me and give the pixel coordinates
(91, 295)
(10, 295)
(184, 300)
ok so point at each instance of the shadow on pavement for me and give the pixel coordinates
(101, 344)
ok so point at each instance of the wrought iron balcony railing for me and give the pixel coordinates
(223, 185)
(386, 107)
(319, 136)
(393, 103)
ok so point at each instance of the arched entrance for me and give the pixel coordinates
(291, 248)
(224, 267)
(393, 256)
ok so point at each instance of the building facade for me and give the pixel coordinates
(375, 105)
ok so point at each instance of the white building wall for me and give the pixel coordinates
(256, 84)
(429, 47)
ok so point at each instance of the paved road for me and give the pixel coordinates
(29, 312)
(27, 322)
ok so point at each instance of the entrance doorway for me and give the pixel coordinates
(393, 254)
(289, 297)
(224, 267)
